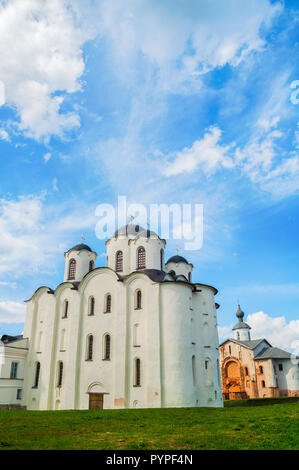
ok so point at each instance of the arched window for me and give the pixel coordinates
(138, 299)
(108, 304)
(91, 306)
(72, 269)
(89, 352)
(137, 381)
(238, 336)
(37, 374)
(230, 350)
(91, 263)
(261, 370)
(263, 384)
(65, 309)
(59, 374)
(162, 258)
(119, 261)
(107, 347)
(141, 258)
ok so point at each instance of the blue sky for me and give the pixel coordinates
(163, 102)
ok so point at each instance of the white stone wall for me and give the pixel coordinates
(82, 258)
(180, 269)
(13, 352)
(129, 248)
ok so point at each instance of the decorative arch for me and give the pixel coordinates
(95, 387)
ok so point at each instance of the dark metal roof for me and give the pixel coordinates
(9, 339)
(273, 353)
(241, 325)
(80, 247)
(177, 259)
(252, 344)
(129, 230)
(154, 274)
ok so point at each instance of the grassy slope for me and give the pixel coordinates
(275, 426)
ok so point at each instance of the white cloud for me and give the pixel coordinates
(4, 135)
(193, 37)
(47, 156)
(205, 154)
(260, 159)
(31, 233)
(40, 49)
(278, 331)
(54, 185)
(12, 312)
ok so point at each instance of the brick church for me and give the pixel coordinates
(254, 368)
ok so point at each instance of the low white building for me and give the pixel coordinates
(13, 352)
(136, 333)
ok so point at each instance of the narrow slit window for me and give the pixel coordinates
(60, 374)
(107, 347)
(137, 373)
(65, 309)
(91, 306)
(138, 299)
(108, 304)
(37, 374)
(90, 348)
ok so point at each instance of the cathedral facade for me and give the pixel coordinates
(135, 333)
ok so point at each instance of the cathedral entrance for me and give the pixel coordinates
(96, 401)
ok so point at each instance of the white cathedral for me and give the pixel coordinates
(136, 333)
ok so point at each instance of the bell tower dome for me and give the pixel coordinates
(79, 260)
(241, 329)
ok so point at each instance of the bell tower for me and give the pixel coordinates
(241, 329)
(79, 260)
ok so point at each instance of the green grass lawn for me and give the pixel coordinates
(274, 426)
